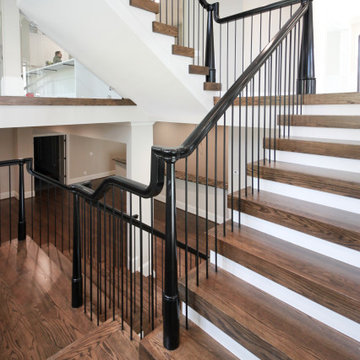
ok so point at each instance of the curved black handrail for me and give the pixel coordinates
(146, 191)
(215, 7)
(200, 132)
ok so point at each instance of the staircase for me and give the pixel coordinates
(282, 289)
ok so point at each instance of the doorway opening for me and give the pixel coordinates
(50, 158)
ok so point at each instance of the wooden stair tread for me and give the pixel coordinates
(338, 226)
(199, 70)
(212, 86)
(266, 326)
(164, 29)
(147, 5)
(194, 344)
(338, 182)
(307, 99)
(108, 341)
(183, 51)
(333, 98)
(37, 318)
(329, 282)
(325, 121)
(338, 148)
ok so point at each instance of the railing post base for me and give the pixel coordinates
(76, 292)
(171, 321)
(210, 49)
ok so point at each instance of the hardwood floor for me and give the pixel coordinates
(36, 315)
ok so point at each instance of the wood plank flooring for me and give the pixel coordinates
(36, 316)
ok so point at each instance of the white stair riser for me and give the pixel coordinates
(313, 196)
(309, 307)
(326, 248)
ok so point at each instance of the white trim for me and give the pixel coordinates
(91, 177)
(323, 247)
(218, 335)
(305, 305)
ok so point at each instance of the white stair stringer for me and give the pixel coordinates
(115, 41)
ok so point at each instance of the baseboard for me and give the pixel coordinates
(90, 177)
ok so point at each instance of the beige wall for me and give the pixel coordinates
(8, 151)
(90, 157)
(173, 134)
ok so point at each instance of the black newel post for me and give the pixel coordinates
(76, 285)
(210, 50)
(22, 219)
(170, 293)
(306, 83)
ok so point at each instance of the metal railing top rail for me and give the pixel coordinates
(142, 190)
(242, 15)
(200, 132)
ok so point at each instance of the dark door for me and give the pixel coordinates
(49, 156)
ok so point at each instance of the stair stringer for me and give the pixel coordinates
(116, 42)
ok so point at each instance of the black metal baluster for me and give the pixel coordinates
(84, 251)
(270, 107)
(152, 263)
(207, 203)
(122, 254)
(141, 271)
(10, 193)
(131, 268)
(91, 259)
(32, 206)
(280, 77)
(197, 215)
(113, 249)
(186, 246)
(69, 231)
(246, 138)
(62, 220)
(224, 177)
(55, 210)
(239, 160)
(98, 277)
(285, 82)
(252, 131)
(289, 83)
(105, 287)
(232, 167)
(48, 216)
(259, 111)
(40, 215)
(215, 194)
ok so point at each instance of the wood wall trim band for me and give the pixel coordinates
(50, 101)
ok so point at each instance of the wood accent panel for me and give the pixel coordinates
(164, 29)
(338, 226)
(45, 101)
(329, 99)
(210, 86)
(147, 5)
(36, 315)
(108, 341)
(334, 181)
(326, 281)
(198, 70)
(194, 344)
(326, 147)
(325, 121)
(266, 326)
(183, 51)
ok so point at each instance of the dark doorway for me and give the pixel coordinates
(49, 157)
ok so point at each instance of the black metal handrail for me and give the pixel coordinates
(215, 114)
(242, 15)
